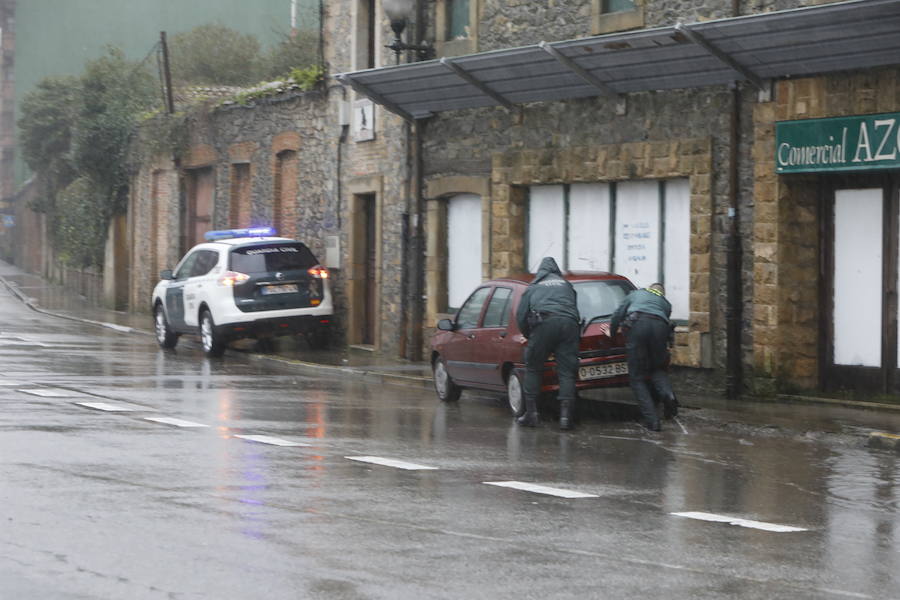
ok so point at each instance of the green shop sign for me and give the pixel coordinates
(838, 144)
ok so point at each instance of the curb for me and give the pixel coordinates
(859, 404)
(886, 441)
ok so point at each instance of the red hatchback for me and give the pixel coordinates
(481, 349)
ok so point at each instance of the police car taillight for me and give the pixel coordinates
(232, 278)
(319, 272)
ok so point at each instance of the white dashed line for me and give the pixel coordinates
(175, 422)
(390, 462)
(107, 406)
(702, 516)
(540, 489)
(12, 383)
(51, 393)
(266, 439)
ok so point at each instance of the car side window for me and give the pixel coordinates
(468, 315)
(497, 314)
(206, 260)
(187, 265)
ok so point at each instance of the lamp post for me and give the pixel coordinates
(399, 12)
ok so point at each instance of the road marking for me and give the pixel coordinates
(108, 407)
(175, 422)
(540, 489)
(267, 439)
(683, 428)
(774, 527)
(12, 382)
(51, 393)
(390, 462)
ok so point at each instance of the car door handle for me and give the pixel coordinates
(471, 336)
(504, 334)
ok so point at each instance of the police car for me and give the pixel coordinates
(243, 283)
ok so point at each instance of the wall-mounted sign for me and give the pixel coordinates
(363, 120)
(838, 144)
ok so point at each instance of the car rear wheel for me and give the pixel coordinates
(211, 338)
(164, 334)
(447, 390)
(515, 394)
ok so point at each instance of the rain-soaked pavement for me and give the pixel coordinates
(741, 500)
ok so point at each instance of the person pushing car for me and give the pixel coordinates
(548, 319)
(644, 316)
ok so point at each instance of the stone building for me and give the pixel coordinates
(646, 144)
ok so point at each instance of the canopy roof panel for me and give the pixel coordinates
(857, 34)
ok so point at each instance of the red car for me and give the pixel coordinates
(481, 348)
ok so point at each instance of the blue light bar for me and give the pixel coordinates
(225, 234)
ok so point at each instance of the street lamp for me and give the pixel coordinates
(399, 12)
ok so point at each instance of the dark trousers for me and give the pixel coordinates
(560, 336)
(648, 358)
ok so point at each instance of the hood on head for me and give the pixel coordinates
(548, 266)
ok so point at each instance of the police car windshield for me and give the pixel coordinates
(272, 257)
(599, 298)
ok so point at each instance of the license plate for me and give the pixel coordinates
(602, 371)
(285, 288)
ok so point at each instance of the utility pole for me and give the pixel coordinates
(167, 73)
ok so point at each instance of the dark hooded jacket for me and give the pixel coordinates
(640, 301)
(549, 294)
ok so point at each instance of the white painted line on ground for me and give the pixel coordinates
(107, 406)
(22, 343)
(774, 527)
(267, 439)
(390, 462)
(683, 428)
(175, 422)
(540, 489)
(11, 383)
(51, 393)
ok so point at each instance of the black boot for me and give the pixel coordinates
(566, 416)
(530, 418)
(671, 406)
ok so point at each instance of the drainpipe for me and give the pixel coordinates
(734, 283)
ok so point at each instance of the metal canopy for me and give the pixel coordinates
(857, 34)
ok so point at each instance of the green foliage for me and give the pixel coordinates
(307, 78)
(48, 117)
(214, 55)
(79, 223)
(75, 134)
(292, 53)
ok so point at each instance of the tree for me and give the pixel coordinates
(291, 53)
(215, 55)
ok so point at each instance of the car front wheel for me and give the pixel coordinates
(515, 394)
(447, 390)
(164, 334)
(210, 336)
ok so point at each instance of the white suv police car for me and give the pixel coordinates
(243, 283)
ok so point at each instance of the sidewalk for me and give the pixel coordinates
(53, 299)
(791, 413)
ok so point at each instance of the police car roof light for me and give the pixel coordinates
(224, 234)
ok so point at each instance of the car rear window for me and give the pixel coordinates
(272, 257)
(600, 298)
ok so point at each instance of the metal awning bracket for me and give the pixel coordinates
(374, 96)
(586, 75)
(468, 78)
(722, 56)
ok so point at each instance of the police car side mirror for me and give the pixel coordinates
(166, 274)
(445, 325)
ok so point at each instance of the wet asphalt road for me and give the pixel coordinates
(99, 504)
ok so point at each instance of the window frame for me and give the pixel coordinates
(612, 234)
(446, 46)
(504, 314)
(488, 289)
(610, 22)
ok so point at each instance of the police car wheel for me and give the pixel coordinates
(164, 335)
(210, 337)
(515, 394)
(447, 390)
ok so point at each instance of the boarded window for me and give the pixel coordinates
(463, 247)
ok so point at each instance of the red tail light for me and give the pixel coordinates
(232, 278)
(319, 272)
